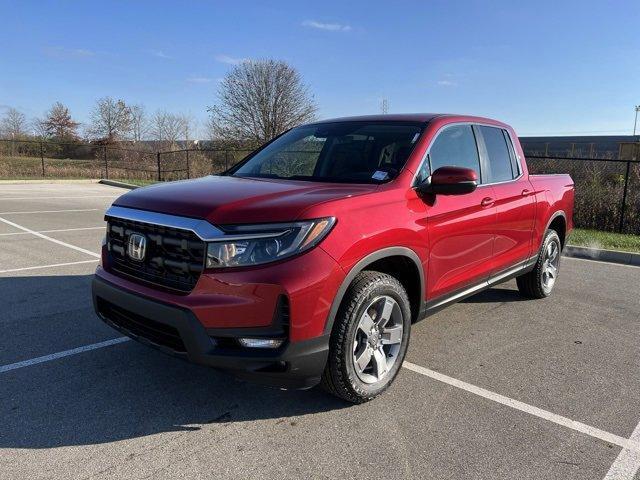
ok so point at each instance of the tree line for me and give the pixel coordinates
(110, 121)
(256, 101)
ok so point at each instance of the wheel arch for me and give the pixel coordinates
(558, 222)
(400, 262)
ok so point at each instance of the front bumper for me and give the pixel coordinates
(177, 331)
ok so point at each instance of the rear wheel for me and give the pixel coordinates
(369, 338)
(539, 282)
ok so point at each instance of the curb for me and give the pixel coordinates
(114, 183)
(613, 256)
(47, 180)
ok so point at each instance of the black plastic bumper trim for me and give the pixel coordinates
(295, 365)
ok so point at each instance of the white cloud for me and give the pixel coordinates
(159, 54)
(333, 27)
(62, 52)
(196, 79)
(222, 58)
(447, 83)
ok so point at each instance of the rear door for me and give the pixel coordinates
(514, 200)
(460, 227)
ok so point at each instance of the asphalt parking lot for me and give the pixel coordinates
(495, 387)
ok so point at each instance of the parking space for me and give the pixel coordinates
(569, 354)
(495, 387)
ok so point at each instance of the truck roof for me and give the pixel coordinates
(408, 117)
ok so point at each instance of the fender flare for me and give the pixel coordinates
(556, 214)
(361, 265)
(559, 213)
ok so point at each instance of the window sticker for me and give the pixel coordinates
(380, 175)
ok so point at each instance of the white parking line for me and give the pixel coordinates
(629, 444)
(65, 353)
(53, 211)
(44, 237)
(47, 266)
(53, 231)
(627, 464)
(113, 195)
(624, 467)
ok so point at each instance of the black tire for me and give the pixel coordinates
(532, 284)
(340, 377)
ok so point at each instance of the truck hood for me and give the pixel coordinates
(228, 200)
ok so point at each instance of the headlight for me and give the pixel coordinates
(245, 245)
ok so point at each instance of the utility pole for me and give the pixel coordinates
(635, 122)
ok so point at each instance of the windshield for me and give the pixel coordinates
(355, 152)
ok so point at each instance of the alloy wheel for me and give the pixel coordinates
(550, 265)
(377, 339)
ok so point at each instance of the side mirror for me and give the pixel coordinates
(450, 181)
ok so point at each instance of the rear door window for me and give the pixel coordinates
(500, 167)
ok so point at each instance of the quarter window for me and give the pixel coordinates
(454, 146)
(514, 159)
(500, 167)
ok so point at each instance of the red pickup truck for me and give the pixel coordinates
(309, 261)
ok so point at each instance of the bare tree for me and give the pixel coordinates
(260, 99)
(209, 129)
(189, 129)
(37, 127)
(13, 124)
(139, 122)
(167, 128)
(58, 123)
(110, 120)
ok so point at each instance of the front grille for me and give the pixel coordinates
(143, 327)
(174, 258)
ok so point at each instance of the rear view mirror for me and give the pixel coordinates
(450, 181)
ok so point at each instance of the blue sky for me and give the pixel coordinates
(545, 67)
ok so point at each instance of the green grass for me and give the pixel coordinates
(605, 240)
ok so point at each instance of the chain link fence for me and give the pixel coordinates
(32, 159)
(607, 192)
(606, 176)
(192, 163)
(25, 159)
(607, 189)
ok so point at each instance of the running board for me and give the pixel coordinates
(521, 268)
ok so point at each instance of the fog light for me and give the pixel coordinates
(261, 342)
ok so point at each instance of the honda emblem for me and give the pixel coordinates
(137, 246)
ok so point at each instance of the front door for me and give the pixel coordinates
(460, 227)
(461, 236)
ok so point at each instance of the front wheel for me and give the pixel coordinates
(369, 339)
(539, 282)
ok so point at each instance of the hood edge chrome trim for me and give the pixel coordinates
(203, 229)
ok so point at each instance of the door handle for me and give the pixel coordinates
(526, 192)
(487, 202)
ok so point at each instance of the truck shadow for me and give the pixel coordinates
(496, 295)
(114, 393)
(122, 391)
